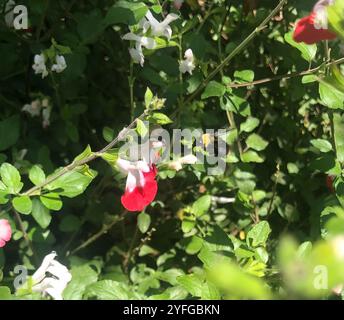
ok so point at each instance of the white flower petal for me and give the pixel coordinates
(41, 271)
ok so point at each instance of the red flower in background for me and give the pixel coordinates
(141, 187)
(5, 232)
(314, 28)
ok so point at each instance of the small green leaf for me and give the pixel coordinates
(188, 225)
(85, 154)
(256, 142)
(52, 201)
(11, 178)
(251, 156)
(244, 76)
(143, 222)
(22, 204)
(161, 118)
(141, 128)
(148, 97)
(322, 145)
(259, 234)
(201, 206)
(40, 213)
(36, 175)
(213, 89)
(249, 125)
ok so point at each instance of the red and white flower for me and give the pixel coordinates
(314, 27)
(141, 187)
(5, 232)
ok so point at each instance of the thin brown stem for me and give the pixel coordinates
(82, 162)
(286, 76)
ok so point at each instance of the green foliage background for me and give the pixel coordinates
(285, 137)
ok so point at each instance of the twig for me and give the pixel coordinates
(79, 163)
(286, 76)
(25, 235)
(237, 50)
(96, 236)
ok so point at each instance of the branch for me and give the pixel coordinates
(79, 163)
(286, 76)
(236, 51)
(105, 229)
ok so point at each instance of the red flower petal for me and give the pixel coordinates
(307, 33)
(141, 197)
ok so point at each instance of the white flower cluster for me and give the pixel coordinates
(38, 107)
(156, 28)
(150, 27)
(40, 67)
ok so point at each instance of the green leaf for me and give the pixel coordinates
(143, 222)
(5, 293)
(251, 156)
(259, 234)
(161, 118)
(141, 128)
(148, 97)
(108, 290)
(22, 204)
(188, 225)
(213, 89)
(9, 132)
(82, 277)
(335, 17)
(11, 178)
(108, 134)
(330, 96)
(194, 246)
(201, 206)
(191, 283)
(41, 213)
(249, 125)
(338, 124)
(71, 184)
(256, 142)
(308, 52)
(52, 201)
(36, 175)
(126, 12)
(322, 145)
(85, 154)
(244, 76)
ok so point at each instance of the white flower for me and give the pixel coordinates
(60, 64)
(51, 277)
(177, 165)
(39, 65)
(160, 28)
(34, 109)
(46, 116)
(141, 41)
(188, 64)
(137, 53)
